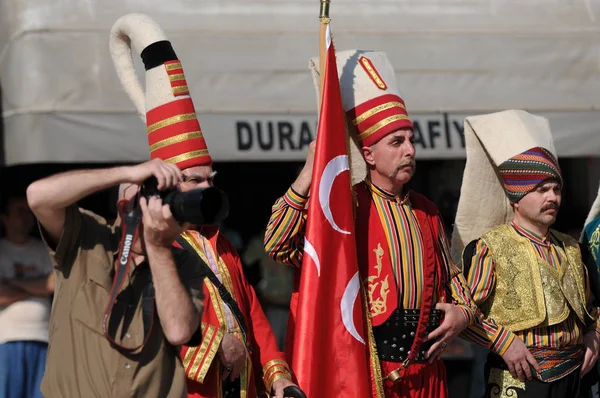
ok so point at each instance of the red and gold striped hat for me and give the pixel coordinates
(174, 133)
(370, 96)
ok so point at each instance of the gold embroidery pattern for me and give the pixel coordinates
(274, 362)
(180, 90)
(517, 302)
(187, 155)
(212, 352)
(557, 309)
(574, 279)
(364, 116)
(215, 298)
(378, 304)
(530, 292)
(373, 358)
(175, 140)
(210, 331)
(594, 243)
(381, 124)
(170, 121)
(372, 72)
(219, 307)
(244, 378)
(501, 384)
(176, 76)
(202, 356)
(511, 299)
(173, 66)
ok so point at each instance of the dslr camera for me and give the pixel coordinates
(200, 206)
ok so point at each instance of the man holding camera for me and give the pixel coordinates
(238, 354)
(116, 339)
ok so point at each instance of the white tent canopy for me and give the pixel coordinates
(246, 65)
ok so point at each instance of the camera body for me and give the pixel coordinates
(199, 206)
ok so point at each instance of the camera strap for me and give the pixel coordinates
(223, 292)
(130, 226)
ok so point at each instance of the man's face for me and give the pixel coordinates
(393, 156)
(541, 206)
(197, 177)
(18, 217)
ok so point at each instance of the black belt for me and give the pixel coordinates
(395, 336)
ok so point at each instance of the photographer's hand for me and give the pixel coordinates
(178, 316)
(160, 228)
(168, 175)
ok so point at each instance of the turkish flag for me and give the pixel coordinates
(330, 352)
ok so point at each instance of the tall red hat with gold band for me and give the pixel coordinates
(174, 133)
(374, 107)
(373, 104)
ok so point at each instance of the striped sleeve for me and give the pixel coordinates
(284, 238)
(457, 285)
(481, 279)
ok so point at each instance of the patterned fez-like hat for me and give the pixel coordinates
(174, 133)
(523, 172)
(509, 154)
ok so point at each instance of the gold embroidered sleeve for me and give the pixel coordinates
(197, 360)
(275, 370)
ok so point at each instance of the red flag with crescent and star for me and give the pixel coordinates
(330, 353)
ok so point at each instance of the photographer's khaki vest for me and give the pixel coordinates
(529, 292)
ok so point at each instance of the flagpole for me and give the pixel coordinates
(324, 19)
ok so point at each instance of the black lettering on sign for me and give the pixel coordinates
(281, 135)
(285, 130)
(267, 144)
(305, 136)
(244, 135)
(461, 132)
(447, 131)
(433, 129)
(418, 135)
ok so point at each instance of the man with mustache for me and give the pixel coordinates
(403, 256)
(529, 280)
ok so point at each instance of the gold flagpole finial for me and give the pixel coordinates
(324, 11)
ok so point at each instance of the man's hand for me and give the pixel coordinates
(591, 342)
(518, 359)
(160, 228)
(232, 354)
(454, 322)
(167, 174)
(302, 183)
(279, 385)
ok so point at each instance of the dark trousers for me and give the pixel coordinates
(499, 383)
(588, 382)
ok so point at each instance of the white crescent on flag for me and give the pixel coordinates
(310, 250)
(334, 168)
(347, 307)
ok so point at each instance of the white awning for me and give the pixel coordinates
(246, 65)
